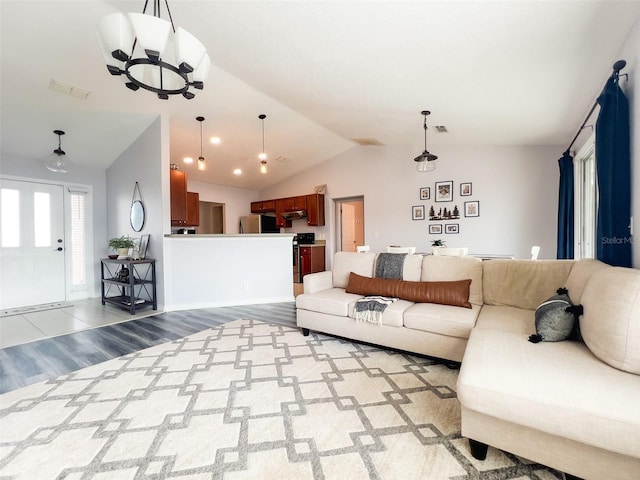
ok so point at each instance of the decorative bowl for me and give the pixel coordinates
(113, 257)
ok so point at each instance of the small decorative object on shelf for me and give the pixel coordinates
(438, 243)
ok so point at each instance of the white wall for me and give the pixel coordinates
(517, 188)
(143, 162)
(78, 175)
(237, 201)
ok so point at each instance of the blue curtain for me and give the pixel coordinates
(565, 208)
(613, 167)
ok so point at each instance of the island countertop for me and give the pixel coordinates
(229, 235)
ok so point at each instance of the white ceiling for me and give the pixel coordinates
(494, 72)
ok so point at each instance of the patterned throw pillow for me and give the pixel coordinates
(555, 318)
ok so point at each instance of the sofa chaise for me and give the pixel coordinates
(572, 405)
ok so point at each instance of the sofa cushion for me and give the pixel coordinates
(441, 269)
(447, 293)
(441, 319)
(508, 319)
(334, 301)
(580, 274)
(558, 388)
(347, 262)
(610, 325)
(392, 315)
(523, 283)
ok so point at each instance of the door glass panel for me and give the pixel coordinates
(10, 217)
(42, 219)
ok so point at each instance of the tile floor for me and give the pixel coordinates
(81, 315)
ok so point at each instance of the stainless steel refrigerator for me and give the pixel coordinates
(258, 224)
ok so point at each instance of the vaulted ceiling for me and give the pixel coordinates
(329, 75)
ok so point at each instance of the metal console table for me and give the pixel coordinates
(134, 282)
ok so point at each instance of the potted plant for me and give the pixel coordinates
(435, 244)
(121, 245)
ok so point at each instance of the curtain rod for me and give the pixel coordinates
(619, 65)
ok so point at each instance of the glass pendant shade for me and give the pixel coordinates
(201, 164)
(189, 51)
(152, 34)
(115, 37)
(55, 163)
(263, 166)
(426, 165)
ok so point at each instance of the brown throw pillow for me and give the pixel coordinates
(454, 293)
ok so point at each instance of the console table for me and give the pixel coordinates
(129, 284)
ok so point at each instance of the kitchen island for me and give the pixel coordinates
(204, 271)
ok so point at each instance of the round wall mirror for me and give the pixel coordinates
(137, 216)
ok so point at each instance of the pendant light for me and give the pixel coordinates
(263, 155)
(201, 164)
(55, 162)
(425, 162)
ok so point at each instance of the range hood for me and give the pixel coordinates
(294, 215)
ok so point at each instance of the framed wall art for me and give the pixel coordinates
(444, 191)
(144, 245)
(417, 212)
(435, 229)
(425, 193)
(472, 209)
(466, 189)
(452, 228)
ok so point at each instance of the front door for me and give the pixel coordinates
(31, 244)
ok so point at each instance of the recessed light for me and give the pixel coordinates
(237, 171)
(188, 160)
(215, 140)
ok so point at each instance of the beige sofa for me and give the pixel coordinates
(571, 405)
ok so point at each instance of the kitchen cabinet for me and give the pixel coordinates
(193, 209)
(315, 210)
(280, 220)
(293, 204)
(312, 259)
(185, 206)
(178, 183)
(265, 206)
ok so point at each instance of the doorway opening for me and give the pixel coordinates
(349, 223)
(212, 217)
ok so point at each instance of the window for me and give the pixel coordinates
(78, 246)
(10, 215)
(586, 197)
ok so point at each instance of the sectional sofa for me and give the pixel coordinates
(573, 405)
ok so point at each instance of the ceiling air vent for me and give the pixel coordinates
(62, 87)
(368, 142)
(282, 159)
(441, 129)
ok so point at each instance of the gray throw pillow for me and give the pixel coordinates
(555, 318)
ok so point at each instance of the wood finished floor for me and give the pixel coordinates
(25, 364)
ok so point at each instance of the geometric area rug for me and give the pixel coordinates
(248, 400)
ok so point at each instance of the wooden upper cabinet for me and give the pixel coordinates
(293, 204)
(178, 194)
(315, 210)
(281, 222)
(193, 209)
(266, 206)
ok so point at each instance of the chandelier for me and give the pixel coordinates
(425, 162)
(152, 53)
